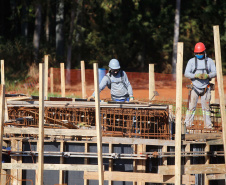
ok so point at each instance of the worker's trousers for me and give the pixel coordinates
(205, 101)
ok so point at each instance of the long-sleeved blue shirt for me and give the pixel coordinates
(200, 83)
(119, 85)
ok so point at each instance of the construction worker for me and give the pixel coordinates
(116, 80)
(200, 70)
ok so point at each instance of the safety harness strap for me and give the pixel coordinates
(196, 64)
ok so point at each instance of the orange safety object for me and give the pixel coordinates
(199, 47)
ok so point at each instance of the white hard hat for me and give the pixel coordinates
(114, 64)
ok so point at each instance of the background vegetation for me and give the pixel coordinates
(137, 32)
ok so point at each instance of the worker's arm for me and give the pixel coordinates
(212, 70)
(104, 82)
(188, 71)
(128, 85)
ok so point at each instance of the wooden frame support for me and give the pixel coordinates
(2, 113)
(178, 113)
(51, 80)
(151, 81)
(41, 126)
(217, 47)
(62, 79)
(83, 78)
(98, 124)
(46, 63)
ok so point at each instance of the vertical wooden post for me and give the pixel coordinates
(187, 159)
(61, 172)
(135, 162)
(6, 117)
(41, 126)
(220, 83)
(51, 80)
(178, 113)
(46, 61)
(110, 163)
(141, 164)
(2, 113)
(207, 161)
(2, 72)
(98, 124)
(62, 79)
(86, 161)
(83, 77)
(213, 98)
(151, 81)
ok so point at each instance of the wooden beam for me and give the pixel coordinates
(110, 168)
(220, 83)
(203, 136)
(151, 81)
(194, 169)
(98, 124)
(215, 176)
(116, 140)
(61, 172)
(33, 166)
(2, 72)
(207, 161)
(51, 81)
(46, 63)
(65, 132)
(142, 177)
(178, 113)
(187, 159)
(86, 161)
(41, 126)
(83, 77)
(213, 98)
(62, 79)
(2, 113)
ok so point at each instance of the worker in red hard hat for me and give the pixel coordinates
(200, 69)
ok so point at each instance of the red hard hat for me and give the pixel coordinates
(199, 47)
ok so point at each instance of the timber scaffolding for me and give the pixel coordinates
(81, 142)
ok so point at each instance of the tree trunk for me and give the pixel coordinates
(47, 26)
(59, 30)
(37, 30)
(176, 35)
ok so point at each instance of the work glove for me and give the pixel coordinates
(91, 97)
(131, 99)
(201, 76)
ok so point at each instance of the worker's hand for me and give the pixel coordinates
(198, 76)
(204, 76)
(91, 97)
(131, 99)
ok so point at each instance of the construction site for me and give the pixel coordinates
(71, 141)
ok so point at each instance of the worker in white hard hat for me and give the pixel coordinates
(116, 80)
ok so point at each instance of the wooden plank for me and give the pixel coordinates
(178, 113)
(203, 136)
(62, 79)
(2, 72)
(207, 161)
(86, 161)
(151, 81)
(194, 169)
(41, 126)
(34, 166)
(116, 140)
(110, 168)
(61, 173)
(46, 63)
(141, 164)
(142, 177)
(220, 83)
(213, 94)
(2, 113)
(51, 81)
(98, 124)
(65, 132)
(83, 78)
(215, 176)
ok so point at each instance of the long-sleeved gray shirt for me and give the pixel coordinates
(199, 83)
(119, 85)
